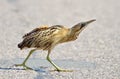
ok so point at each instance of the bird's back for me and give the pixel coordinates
(43, 37)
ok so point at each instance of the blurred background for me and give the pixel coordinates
(98, 44)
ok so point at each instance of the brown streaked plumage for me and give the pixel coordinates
(46, 38)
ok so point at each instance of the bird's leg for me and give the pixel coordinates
(57, 68)
(23, 64)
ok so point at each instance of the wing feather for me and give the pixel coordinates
(40, 37)
(35, 31)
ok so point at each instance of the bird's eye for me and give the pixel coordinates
(83, 25)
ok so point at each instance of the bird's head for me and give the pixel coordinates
(76, 29)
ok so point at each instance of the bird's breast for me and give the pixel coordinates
(61, 35)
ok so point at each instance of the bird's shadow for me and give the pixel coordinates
(43, 71)
(12, 68)
(5, 68)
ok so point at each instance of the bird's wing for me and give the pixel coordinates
(35, 31)
(40, 37)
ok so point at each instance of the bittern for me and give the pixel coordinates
(46, 38)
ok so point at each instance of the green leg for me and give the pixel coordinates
(57, 68)
(23, 64)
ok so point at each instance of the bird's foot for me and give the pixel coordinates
(24, 66)
(62, 70)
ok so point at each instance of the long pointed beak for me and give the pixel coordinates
(90, 21)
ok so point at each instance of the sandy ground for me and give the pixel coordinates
(94, 55)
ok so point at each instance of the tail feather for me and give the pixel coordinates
(20, 45)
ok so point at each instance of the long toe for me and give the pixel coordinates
(19, 65)
(27, 68)
(64, 70)
(24, 66)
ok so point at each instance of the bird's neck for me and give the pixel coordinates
(71, 35)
